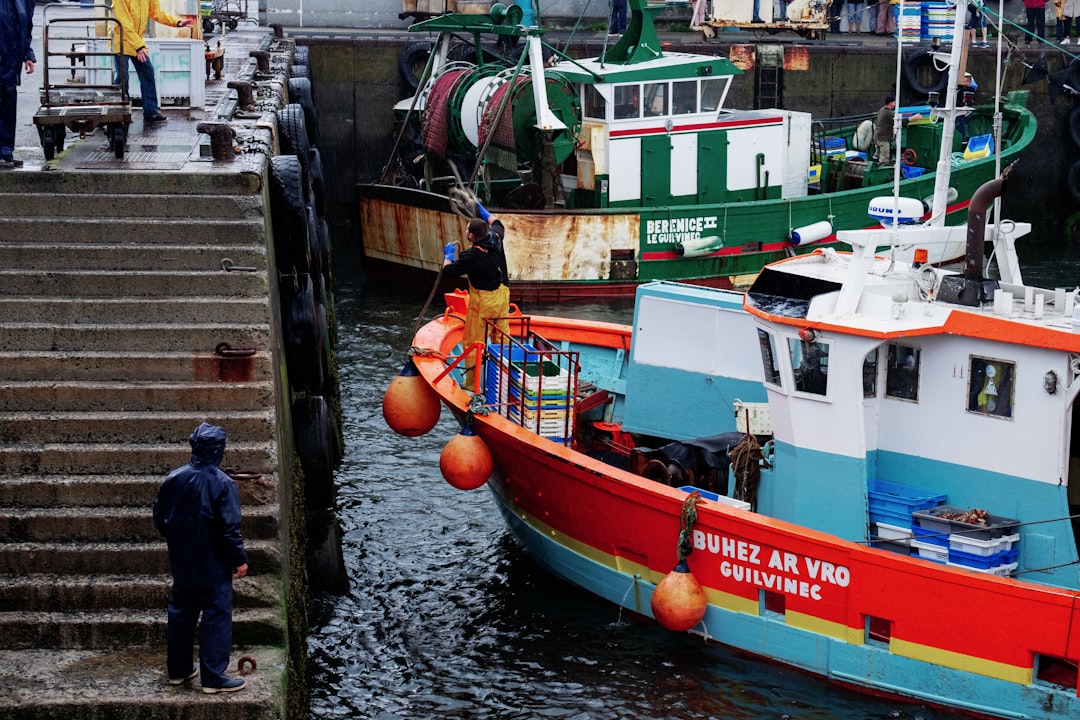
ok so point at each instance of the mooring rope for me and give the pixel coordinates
(686, 525)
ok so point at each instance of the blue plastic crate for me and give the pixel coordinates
(911, 171)
(928, 536)
(983, 562)
(894, 504)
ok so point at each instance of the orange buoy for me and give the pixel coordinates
(678, 602)
(410, 407)
(466, 462)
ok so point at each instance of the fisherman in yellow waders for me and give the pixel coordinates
(484, 263)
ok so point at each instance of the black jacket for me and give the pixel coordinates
(484, 262)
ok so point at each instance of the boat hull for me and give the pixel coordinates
(563, 255)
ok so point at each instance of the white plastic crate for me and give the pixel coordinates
(999, 570)
(984, 548)
(893, 533)
(757, 415)
(928, 551)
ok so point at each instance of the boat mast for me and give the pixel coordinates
(942, 176)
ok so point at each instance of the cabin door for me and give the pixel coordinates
(656, 169)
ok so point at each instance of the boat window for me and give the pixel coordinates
(869, 374)
(712, 93)
(990, 386)
(902, 373)
(773, 603)
(768, 357)
(810, 364)
(626, 102)
(595, 106)
(684, 97)
(877, 630)
(656, 99)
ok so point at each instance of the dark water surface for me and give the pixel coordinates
(446, 618)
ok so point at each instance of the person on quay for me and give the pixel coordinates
(974, 24)
(484, 264)
(16, 55)
(1035, 11)
(133, 16)
(617, 23)
(197, 509)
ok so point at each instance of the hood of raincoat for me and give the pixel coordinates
(207, 445)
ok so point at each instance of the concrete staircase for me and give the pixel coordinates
(114, 300)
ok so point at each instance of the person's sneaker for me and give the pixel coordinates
(11, 162)
(985, 44)
(231, 685)
(1065, 41)
(180, 681)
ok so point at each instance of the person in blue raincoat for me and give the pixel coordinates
(197, 509)
(16, 26)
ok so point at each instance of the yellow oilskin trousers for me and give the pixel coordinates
(483, 305)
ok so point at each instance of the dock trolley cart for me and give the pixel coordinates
(82, 85)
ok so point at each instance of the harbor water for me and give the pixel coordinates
(446, 617)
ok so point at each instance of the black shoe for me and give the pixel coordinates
(11, 162)
(231, 685)
(757, 20)
(153, 119)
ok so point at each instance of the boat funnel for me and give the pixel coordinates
(971, 288)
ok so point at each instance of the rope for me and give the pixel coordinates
(686, 525)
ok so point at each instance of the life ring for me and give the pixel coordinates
(1073, 180)
(288, 215)
(305, 334)
(1074, 125)
(411, 64)
(909, 156)
(921, 62)
(312, 433)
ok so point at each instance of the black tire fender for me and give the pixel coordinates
(1074, 125)
(1072, 176)
(300, 92)
(305, 334)
(914, 65)
(412, 57)
(313, 435)
(293, 140)
(288, 215)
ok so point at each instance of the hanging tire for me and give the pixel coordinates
(313, 437)
(1073, 180)
(411, 64)
(301, 94)
(288, 215)
(316, 269)
(1074, 125)
(300, 55)
(318, 185)
(922, 75)
(305, 334)
(300, 71)
(293, 140)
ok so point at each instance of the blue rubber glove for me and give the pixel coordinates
(482, 212)
(450, 252)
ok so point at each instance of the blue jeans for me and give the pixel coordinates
(618, 17)
(9, 101)
(147, 84)
(215, 632)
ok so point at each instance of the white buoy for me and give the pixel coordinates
(699, 247)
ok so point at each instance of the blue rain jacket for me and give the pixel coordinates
(197, 509)
(16, 24)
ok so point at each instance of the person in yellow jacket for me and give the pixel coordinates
(133, 16)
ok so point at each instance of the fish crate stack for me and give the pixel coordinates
(892, 509)
(533, 387)
(990, 547)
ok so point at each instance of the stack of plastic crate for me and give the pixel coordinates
(990, 548)
(497, 371)
(891, 508)
(541, 398)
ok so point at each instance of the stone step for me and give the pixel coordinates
(128, 627)
(116, 458)
(116, 490)
(134, 367)
(111, 524)
(144, 231)
(53, 255)
(164, 205)
(99, 185)
(264, 557)
(130, 427)
(148, 337)
(76, 283)
(179, 310)
(213, 397)
(123, 683)
(53, 593)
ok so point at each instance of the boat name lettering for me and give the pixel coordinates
(788, 563)
(677, 230)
